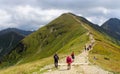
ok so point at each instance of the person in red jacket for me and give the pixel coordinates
(69, 61)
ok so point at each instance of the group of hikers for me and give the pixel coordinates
(88, 47)
(69, 60)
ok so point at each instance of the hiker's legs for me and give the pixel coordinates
(69, 66)
(56, 64)
(73, 58)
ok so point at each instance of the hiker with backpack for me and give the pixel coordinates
(69, 61)
(85, 47)
(56, 58)
(73, 56)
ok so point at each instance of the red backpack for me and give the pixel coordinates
(69, 60)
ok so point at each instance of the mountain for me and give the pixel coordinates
(63, 35)
(9, 38)
(8, 41)
(112, 26)
(50, 38)
(22, 32)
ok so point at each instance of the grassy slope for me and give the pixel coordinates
(51, 38)
(29, 68)
(8, 41)
(63, 35)
(107, 54)
(106, 51)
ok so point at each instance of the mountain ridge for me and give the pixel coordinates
(22, 32)
(9, 38)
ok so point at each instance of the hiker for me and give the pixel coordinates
(73, 56)
(90, 46)
(69, 61)
(85, 48)
(56, 58)
(94, 58)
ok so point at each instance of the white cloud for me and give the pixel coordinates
(33, 13)
(102, 10)
(28, 17)
(4, 17)
(97, 20)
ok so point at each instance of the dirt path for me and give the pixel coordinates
(81, 64)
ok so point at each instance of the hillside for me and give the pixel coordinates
(48, 40)
(9, 38)
(112, 26)
(8, 41)
(63, 35)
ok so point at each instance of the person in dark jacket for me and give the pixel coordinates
(56, 58)
(73, 56)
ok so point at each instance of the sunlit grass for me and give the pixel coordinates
(107, 56)
(28, 67)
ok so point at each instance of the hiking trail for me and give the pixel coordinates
(81, 64)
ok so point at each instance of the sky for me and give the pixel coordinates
(33, 14)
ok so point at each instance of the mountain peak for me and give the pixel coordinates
(111, 22)
(113, 19)
(112, 26)
(80, 18)
(68, 13)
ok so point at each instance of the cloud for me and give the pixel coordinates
(4, 16)
(28, 17)
(32, 14)
(5, 19)
(98, 21)
(35, 17)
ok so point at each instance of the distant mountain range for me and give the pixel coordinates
(112, 26)
(9, 38)
(19, 31)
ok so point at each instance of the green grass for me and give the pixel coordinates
(106, 51)
(107, 56)
(76, 45)
(27, 68)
